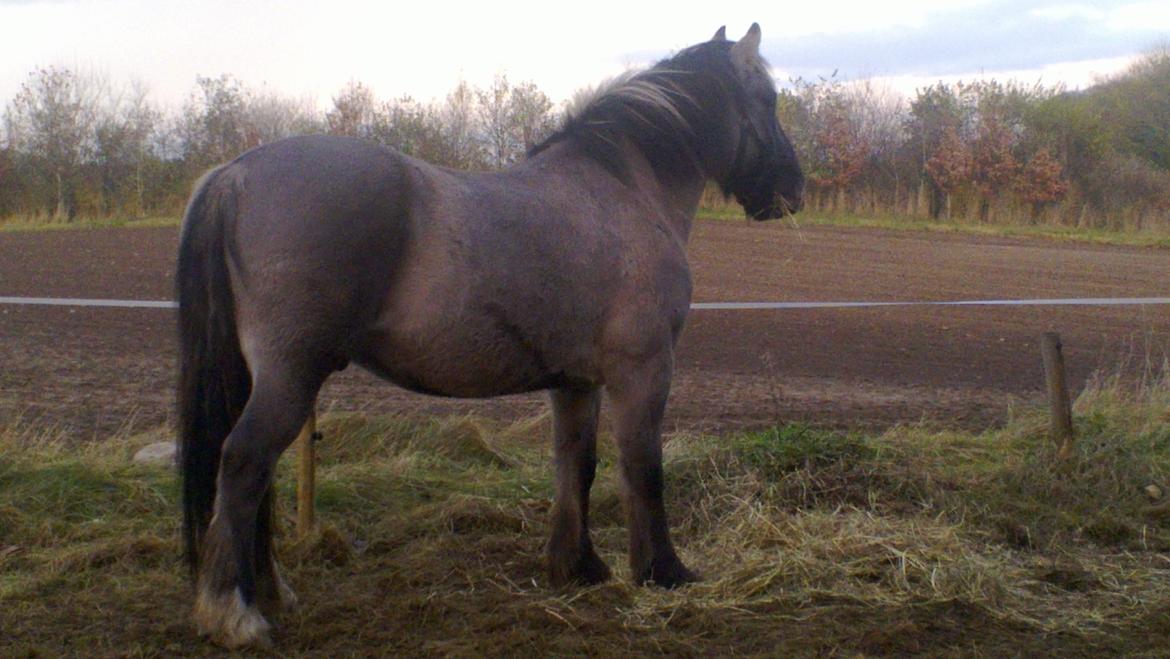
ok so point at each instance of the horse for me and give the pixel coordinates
(566, 272)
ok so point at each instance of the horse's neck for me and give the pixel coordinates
(675, 196)
(676, 193)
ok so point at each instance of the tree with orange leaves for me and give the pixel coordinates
(950, 165)
(843, 147)
(993, 166)
(1041, 182)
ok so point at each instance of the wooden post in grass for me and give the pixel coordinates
(306, 475)
(1061, 428)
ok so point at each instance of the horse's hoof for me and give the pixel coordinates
(669, 573)
(273, 594)
(229, 622)
(277, 597)
(587, 570)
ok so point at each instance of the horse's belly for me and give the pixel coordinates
(451, 329)
(471, 366)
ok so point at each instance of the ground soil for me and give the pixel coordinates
(97, 370)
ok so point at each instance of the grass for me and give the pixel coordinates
(885, 222)
(19, 226)
(912, 542)
(901, 223)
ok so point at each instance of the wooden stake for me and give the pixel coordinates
(306, 476)
(1061, 428)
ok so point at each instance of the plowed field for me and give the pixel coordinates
(94, 370)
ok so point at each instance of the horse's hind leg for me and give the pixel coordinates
(231, 582)
(272, 592)
(637, 391)
(571, 557)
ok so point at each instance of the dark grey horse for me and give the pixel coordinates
(567, 272)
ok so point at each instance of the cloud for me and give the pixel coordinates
(1003, 35)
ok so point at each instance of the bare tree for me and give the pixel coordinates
(214, 122)
(879, 112)
(410, 127)
(354, 112)
(122, 148)
(270, 117)
(495, 117)
(458, 129)
(50, 124)
(532, 112)
(513, 119)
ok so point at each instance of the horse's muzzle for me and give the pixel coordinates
(782, 205)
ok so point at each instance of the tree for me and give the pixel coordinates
(937, 114)
(828, 133)
(534, 119)
(494, 111)
(9, 182)
(269, 117)
(879, 113)
(1040, 182)
(949, 167)
(1072, 126)
(123, 138)
(410, 127)
(214, 122)
(513, 119)
(1138, 107)
(50, 125)
(993, 166)
(845, 149)
(354, 112)
(459, 142)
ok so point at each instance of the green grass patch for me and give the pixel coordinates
(732, 213)
(788, 448)
(911, 542)
(16, 226)
(902, 223)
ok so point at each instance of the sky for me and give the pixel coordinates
(423, 48)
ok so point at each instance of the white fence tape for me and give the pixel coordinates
(698, 306)
(81, 302)
(1043, 302)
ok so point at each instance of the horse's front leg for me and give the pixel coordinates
(637, 392)
(571, 557)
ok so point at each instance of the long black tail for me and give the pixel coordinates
(214, 382)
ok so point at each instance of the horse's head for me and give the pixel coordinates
(765, 176)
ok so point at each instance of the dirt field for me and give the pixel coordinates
(96, 370)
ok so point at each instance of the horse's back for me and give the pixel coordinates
(319, 183)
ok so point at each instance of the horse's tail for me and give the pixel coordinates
(214, 382)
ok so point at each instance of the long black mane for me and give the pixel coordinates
(665, 111)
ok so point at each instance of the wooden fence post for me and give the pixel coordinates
(307, 475)
(1061, 428)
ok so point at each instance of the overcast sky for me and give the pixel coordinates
(423, 48)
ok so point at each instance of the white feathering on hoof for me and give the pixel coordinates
(229, 622)
(288, 598)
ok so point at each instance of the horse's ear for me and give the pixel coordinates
(749, 45)
(720, 35)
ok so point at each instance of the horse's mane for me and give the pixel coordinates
(661, 110)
